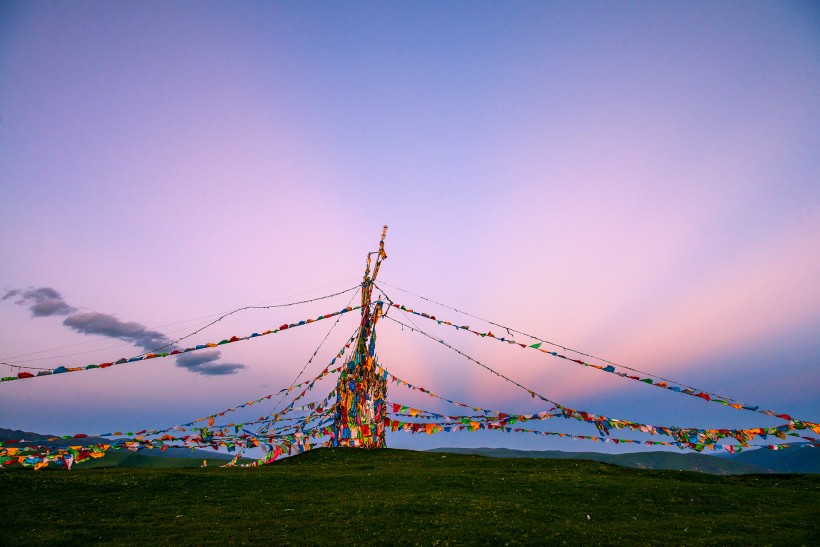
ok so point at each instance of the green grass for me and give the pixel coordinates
(333, 496)
(128, 459)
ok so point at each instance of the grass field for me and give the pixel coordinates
(332, 496)
(128, 459)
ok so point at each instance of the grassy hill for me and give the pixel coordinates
(797, 459)
(146, 459)
(674, 461)
(345, 496)
(42, 438)
(189, 457)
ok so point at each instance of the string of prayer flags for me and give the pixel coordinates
(216, 436)
(432, 428)
(356, 412)
(689, 435)
(648, 379)
(123, 361)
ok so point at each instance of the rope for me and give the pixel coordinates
(295, 380)
(476, 361)
(192, 333)
(555, 344)
(266, 426)
(220, 318)
(150, 328)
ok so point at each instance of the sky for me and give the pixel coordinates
(634, 180)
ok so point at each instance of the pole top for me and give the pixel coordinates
(382, 254)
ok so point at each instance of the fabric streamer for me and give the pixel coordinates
(123, 361)
(689, 437)
(356, 411)
(650, 380)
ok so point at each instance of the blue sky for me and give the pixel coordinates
(635, 180)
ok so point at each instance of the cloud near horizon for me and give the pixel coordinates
(46, 302)
(104, 324)
(43, 302)
(202, 362)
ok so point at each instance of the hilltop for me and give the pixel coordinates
(799, 458)
(386, 496)
(171, 457)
